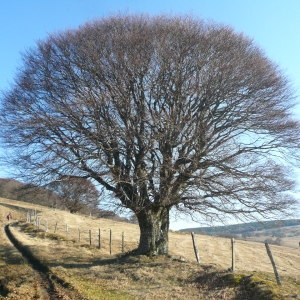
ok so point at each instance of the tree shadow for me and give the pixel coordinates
(10, 255)
(70, 262)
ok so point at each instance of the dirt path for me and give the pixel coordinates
(42, 272)
(48, 286)
(22, 275)
(17, 279)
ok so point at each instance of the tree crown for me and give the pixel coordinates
(161, 111)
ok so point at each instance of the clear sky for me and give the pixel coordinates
(273, 24)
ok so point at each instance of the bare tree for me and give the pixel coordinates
(162, 112)
(76, 193)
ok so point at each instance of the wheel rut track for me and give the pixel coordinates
(49, 280)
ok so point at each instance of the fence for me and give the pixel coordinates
(104, 239)
(233, 256)
(224, 252)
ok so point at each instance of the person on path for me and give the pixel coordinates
(9, 217)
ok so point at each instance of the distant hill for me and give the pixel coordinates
(16, 190)
(245, 229)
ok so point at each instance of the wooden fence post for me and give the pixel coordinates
(79, 237)
(195, 247)
(273, 263)
(123, 242)
(90, 235)
(55, 228)
(110, 241)
(99, 238)
(232, 255)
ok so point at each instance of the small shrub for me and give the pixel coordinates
(55, 237)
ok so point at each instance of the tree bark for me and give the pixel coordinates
(154, 229)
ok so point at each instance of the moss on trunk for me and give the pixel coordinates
(154, 229)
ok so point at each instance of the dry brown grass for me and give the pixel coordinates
(290, 238)
(17, 279)
(99, 275)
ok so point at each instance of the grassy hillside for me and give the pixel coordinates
(62, 241)
(280, 232)
(245, 227)
(16, 190)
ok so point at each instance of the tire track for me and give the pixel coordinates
(50, 283)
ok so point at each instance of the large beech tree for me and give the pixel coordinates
(162, 112)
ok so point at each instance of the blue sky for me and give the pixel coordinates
(273, 24)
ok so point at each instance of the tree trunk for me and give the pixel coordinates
(154, 229)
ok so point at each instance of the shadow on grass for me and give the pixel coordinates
(70, 261)
(10, 255)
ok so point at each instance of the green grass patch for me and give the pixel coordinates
(263, 286)
(91, 290)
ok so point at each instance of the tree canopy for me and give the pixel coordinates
(162, 112)
(76, 193)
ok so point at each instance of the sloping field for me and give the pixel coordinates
(289, 236)
(250, 256)
(79, 263)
